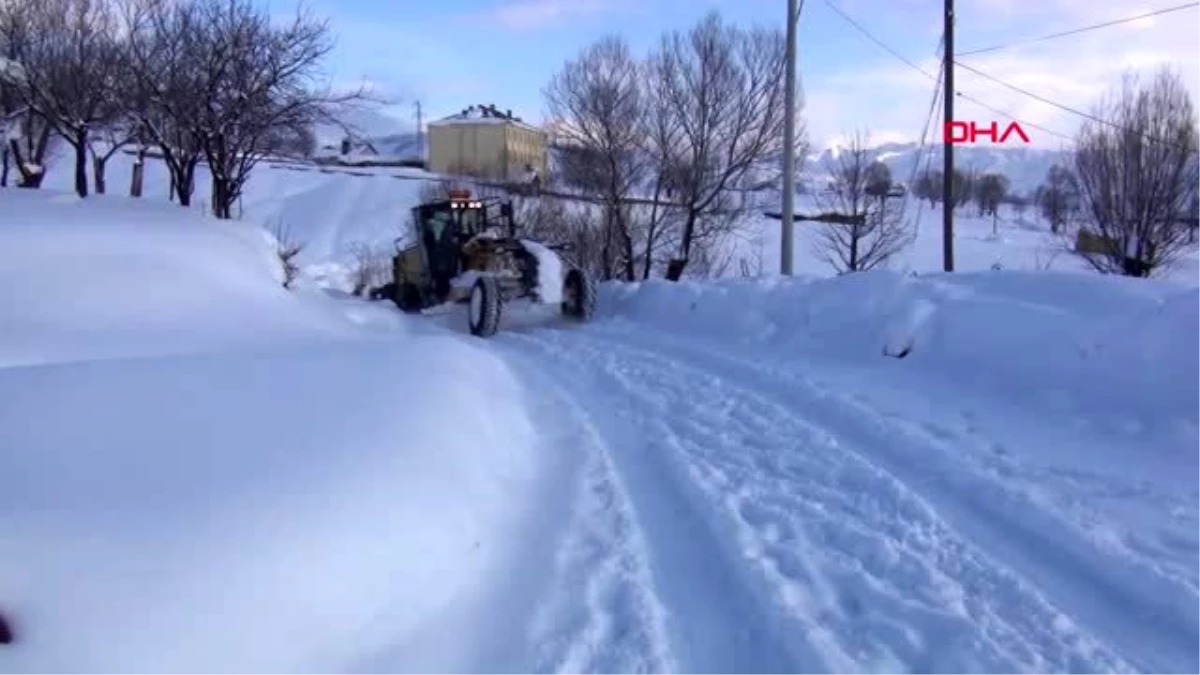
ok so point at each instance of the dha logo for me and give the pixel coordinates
(969, 132)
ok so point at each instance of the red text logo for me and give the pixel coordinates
(969, 132)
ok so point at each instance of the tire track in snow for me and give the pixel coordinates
(1156, 625)
(717, 617)
(599, 612)
(857, 565)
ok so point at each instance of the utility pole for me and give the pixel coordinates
(420, 146)
(789, 144)
(947, 147)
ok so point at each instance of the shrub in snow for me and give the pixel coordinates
(287, 248)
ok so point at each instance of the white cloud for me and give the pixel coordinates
(1075, 71)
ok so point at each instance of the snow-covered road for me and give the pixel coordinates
(731, 514)
(203, 471)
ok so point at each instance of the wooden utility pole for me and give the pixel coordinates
(420, 145)
(947, 147)
(789, 144)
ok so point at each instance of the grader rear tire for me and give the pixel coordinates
(484, 307)
(579, 295)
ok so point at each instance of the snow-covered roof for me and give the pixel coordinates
(484, 114)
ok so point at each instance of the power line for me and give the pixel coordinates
(937, 78)
(1083, 29)
(1043, 99)
(877, 41)
(1030, 94)
(960, 94)
(934, 108)
(1002, 113)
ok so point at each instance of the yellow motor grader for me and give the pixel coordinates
(467, 250)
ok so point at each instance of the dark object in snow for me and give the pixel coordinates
(6, 636)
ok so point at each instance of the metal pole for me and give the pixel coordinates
(947, 147)
(789, 144)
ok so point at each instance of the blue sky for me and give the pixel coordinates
(451, 53)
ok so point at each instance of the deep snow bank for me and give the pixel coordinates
(1124, 343)
(211, 513)
(202, 471)
(109, 277)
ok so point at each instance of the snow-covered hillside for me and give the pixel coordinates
(985, 471)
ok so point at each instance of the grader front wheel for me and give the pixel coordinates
(484, 307)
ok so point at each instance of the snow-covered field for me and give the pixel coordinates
(205, 471)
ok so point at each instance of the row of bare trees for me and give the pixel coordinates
(1126, 200)
(689, 128)
(201, 81)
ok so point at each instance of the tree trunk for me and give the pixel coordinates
(221, 198)
(81, 177)
(26, 178)
(854, 237)
(139, 172)
(678, 264)
(652, 231)
(4, 168)
(98, 173)
(627, 253)
(183, 182)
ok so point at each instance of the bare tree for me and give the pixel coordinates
(11, 75)
(662, 138)
(597, 101)
(879, 180)
(28, 138)
(72, 62)
(1057, 198)
(723, 87)
(990, 189)
(870, 230)
(1138, 175)
(929, 186)
(166, 50)
(287, 248)
(102, 144)
(962, 186)
(1019, 203)
(258, 80)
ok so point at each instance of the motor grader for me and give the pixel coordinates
(465, 250)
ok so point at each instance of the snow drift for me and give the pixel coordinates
(1011, 333)
(202, 471)
(113, 277)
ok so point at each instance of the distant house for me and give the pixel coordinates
(486, 143)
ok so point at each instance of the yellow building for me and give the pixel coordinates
(483, 142)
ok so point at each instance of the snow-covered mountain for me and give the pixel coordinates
(1025, 167)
